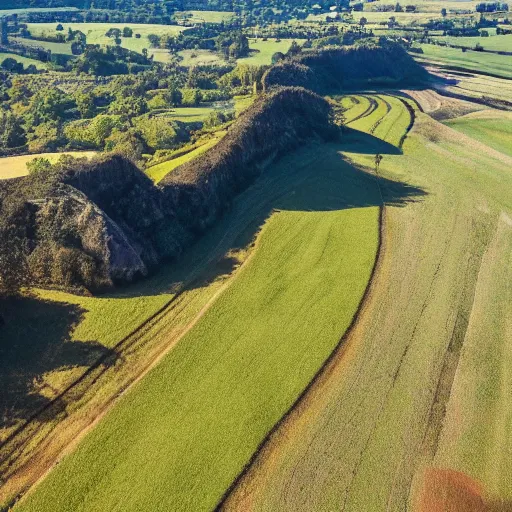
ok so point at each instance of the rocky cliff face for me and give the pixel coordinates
(94, 224)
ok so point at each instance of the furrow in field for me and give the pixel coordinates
(363, 108)
(377, 412)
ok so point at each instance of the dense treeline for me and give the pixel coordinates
(330, 68)
(90, 225)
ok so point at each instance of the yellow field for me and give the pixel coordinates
(14, 166)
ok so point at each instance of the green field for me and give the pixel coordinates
(159, 171)
(495, 43)
(195, 420)
(500, 65)
(95, 32)
(199, 57)
(263, 50)
(205, 16)
(24, 60)
(9, 12)
(491, 128)
(362, 437)
(58, 48)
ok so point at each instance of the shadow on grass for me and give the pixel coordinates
(35, 339)
(330, 182)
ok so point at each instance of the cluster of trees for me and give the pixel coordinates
(127, 113)
(13, 66)
(491, 7)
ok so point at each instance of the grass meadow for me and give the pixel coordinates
(95, 32)
(500, 65)
(492, 128)
(159, 171)
(263, 51)
(495, 43)
(205, 16)
(192, 423)
(24, 60)
(438, 298)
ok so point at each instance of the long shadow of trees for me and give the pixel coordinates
(35, 339)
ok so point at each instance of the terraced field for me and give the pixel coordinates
(372, 433)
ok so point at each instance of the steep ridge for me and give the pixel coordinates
(94, 224)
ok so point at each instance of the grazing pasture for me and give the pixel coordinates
(262, 51)
(366, 435)
(496, 43)
(14, 166)
(197, 417)
(23, 60)
(95, 32)
(57, 48)
(159, 171)
(493, 128)
(205, 16)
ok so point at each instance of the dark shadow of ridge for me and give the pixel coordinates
(329, 182)
(36, 337)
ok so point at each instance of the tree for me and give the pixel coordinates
(59, 28)
(175, 97)
(278, 56)
(12, 134)
(85, 104)
(12, 65)
(191, 97)
(130, 106)
(127, 32)
(114, 33)
(294, 49)
(398, 8)
(363, 21)
(13, 262)
(443, 12)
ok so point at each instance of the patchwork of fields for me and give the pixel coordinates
(494, 64)
(237, 379)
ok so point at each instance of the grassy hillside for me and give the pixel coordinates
(496, 43)
(491, 128)
(363, 437)
(159, 171)
(95, 32)
(237, 371)
(24, 60)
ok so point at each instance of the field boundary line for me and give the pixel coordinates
(323, 368)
